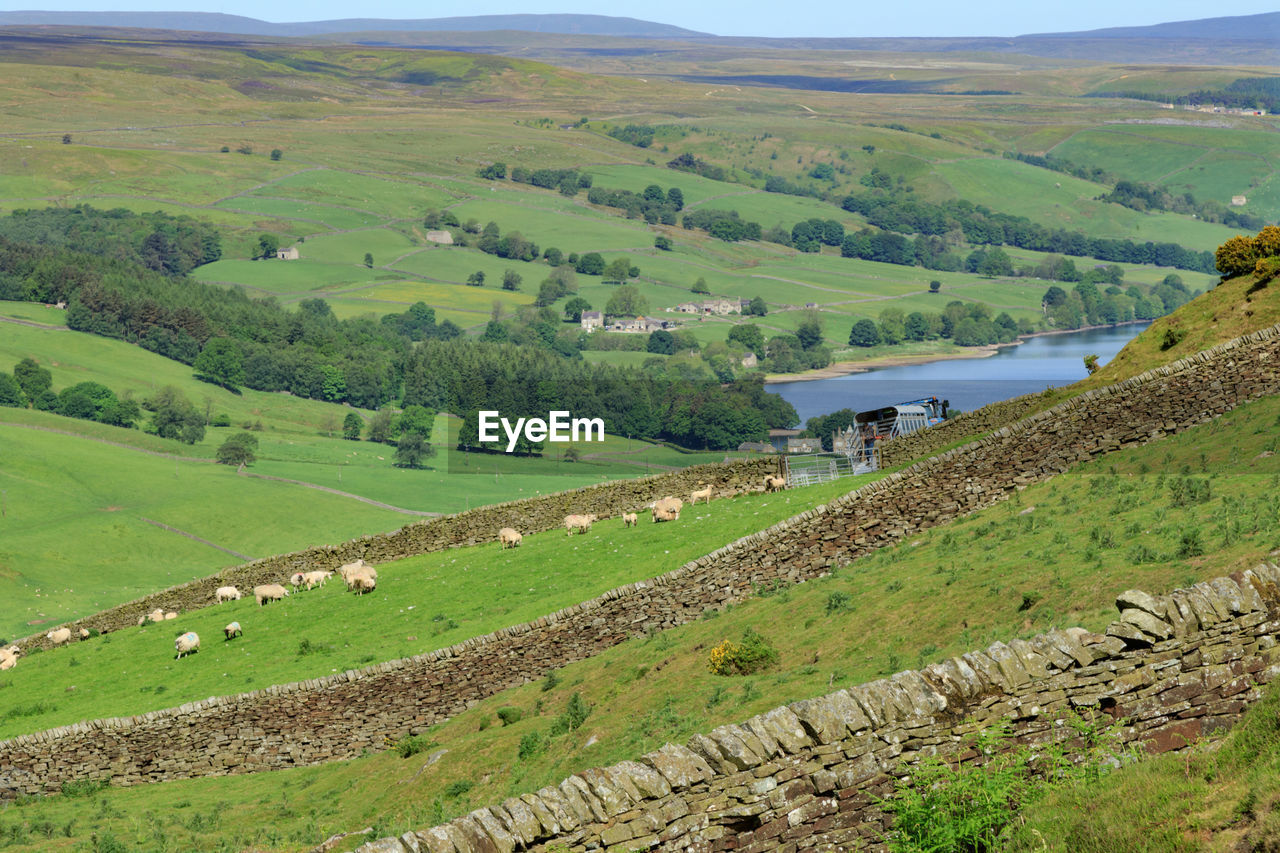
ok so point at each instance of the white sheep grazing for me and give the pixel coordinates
(295, 580)
(775, 484)
(704, 493)
(666, 509)
(232, 630)
(579, 523)
(630, 519)
(187, 643)
(84, 633)
(352, 567)
(509, 537)
(314, 579)
(170, 615)
(365, 583)
(227, 593)
(9, 657)
(354, 578)
(269, 592)
(59, 636)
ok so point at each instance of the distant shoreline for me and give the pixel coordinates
(846, 368)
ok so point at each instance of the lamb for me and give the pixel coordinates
(269, 592)
(666, 509)
(704, 493)
(509, 537)
(227, 593)
(365, 583)
(170, 615)
(314, 579)
(59, 636)
(630, 519)
(232, 630)
(156, 615)
(295, 580)
(187, 643)
(9, 657)
(579, 523)
(84, 633)
(775, 484)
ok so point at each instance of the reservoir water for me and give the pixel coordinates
(1035, 364)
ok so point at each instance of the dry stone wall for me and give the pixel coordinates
(530, 515)
(339, 716)
(927, 442)
(809, 775)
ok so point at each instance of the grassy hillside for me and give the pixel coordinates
(1011, 570)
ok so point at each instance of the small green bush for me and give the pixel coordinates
(412, 745)
(510, 715)
(839, 602)
(531, 745)
(458, 788)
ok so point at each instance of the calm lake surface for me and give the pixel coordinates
(1035, 364)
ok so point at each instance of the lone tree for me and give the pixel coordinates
(864, 334)
(351, 426)
(368, 260)
(511, 280)
(476, 279)
(276, 153)
(66, 139)
(268, 245)
(935, 286)
(238, 450)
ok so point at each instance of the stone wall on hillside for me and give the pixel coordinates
(529, 515)
(341, 715)
(927, 442)
(810, 775)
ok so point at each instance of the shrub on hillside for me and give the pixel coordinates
(753, 654)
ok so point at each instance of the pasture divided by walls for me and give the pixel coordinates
(339, 716)
(528, 515)
(810, 775)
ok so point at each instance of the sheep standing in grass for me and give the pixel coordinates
(187, 643)
(269, 592)
(578, 523)
(227, 593)
(83, 633)
(9, 657)
(295, 580)
(365, 583)
(314, 579)
(509, 537)
(704, 493)
(775, 484)
(232, 630)
(354, 579)
(59, 636)
(630, 519)
(352, 568)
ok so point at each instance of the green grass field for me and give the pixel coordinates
(900, 608)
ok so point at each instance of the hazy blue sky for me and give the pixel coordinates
(726, 17)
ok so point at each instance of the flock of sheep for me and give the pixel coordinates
(362, 578)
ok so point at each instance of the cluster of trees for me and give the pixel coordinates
(513, 246)
(965, 324)
(1139, 196)
(722, 224)
(639, 135)
(653, 205)
(567, 181)
(1242, 254)
(465, 377)
(173, 245)
(172, 414)
(410, 432)
(779, 184)
(980, 225)
(1057, 164)
(1246, 93)
(689, 163)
